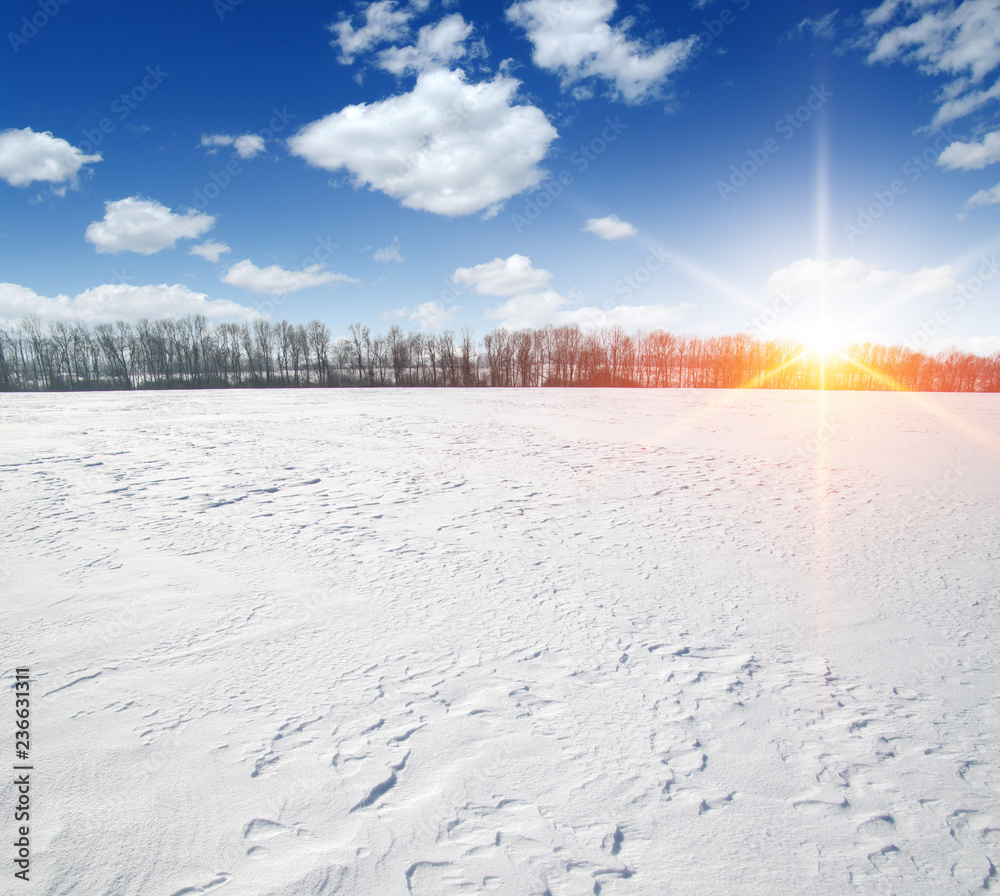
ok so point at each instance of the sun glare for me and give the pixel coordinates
(824, 340)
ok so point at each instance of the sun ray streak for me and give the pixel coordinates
(822, 584)
(954, 420)
(712, 280)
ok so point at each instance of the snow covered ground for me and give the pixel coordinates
(563, 642)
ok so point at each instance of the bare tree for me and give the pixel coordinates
(399, 350)
(360, 338)
(319, 342)
(190, 352)
(467, 358)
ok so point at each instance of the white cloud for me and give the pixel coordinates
(210, 251)
(632, 317)
(848, 300)
(985, 197)
(390, 252)
(427, 315)
(503, 277)
(384, 22)
(958, 41)
(981, 345)
(144, 226)
(943, 38)
(548, 307)
(27, 156)
(276, 281)
(609, 228)
(970, 156)
(529, 310)
(216, 140)
(848, 278)
(576, 41)
(437, 46)
(882, 13)
(118, 301)
(246, 145)
(448, 147)
(965, 102)
(822, 27)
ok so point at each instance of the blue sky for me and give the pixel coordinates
(817, 170)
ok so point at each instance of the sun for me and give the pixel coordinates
(824, 339)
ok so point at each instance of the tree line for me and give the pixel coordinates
(190, 352)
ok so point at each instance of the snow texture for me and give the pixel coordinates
(537, 642)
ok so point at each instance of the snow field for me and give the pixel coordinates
(553, 641)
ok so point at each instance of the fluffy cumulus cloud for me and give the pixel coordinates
(633, 317)
(246, 145)
(549, 307)
(27, 156)
(844, 278)
(842, 299)
(533, 304)
(529, 310)
(609, 228)
(972, 155)
(144, 226)
(437, 46)
(277, 281)
(503, 277)
(210, 250)
(448, 147)
(576, 41)
(118, 301)
(427, 315)
(383, 22)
